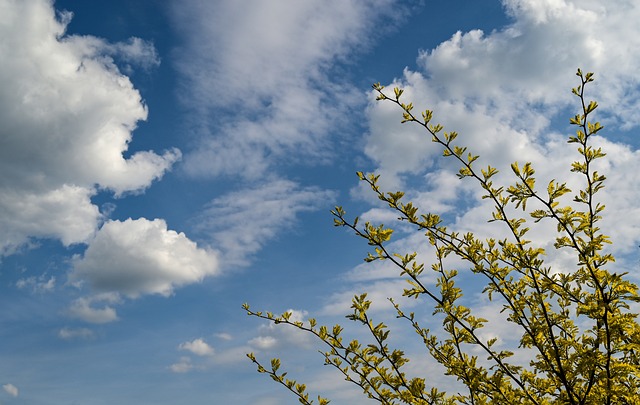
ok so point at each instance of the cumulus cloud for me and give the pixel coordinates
(532, 60)
(65, 213)
(502, 90)
(198, 347)
(510, 82)
(11, 389)
(135, 257)
(242, 222)
(68, 114)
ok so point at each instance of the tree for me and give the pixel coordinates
(579, 325)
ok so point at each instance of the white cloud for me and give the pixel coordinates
(533, 59)
(136, 257)
(132, 258)
(135, 51)
(75, 333)
(65, 213)
(264, 93)
(263, 342)
(339, 303)
(271, 336)
(68, 116)
(205, 355)
(242, 222)
(224, 336)
(272, 63)
(11, 389)
(500, 92)
(232, 357)
(228, 357)
(38, 284)
(505, 85)
(82, 309)
(198, 347)
(182, 366)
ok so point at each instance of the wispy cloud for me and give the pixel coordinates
(264, 95)
(182, 366)
(76, 333)
(223, 336)
(39, 284)
(242, 222)
(272, 66)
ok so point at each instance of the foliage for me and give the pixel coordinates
(579, 325)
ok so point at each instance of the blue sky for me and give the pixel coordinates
(164, 162)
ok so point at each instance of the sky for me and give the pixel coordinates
(162, 163)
